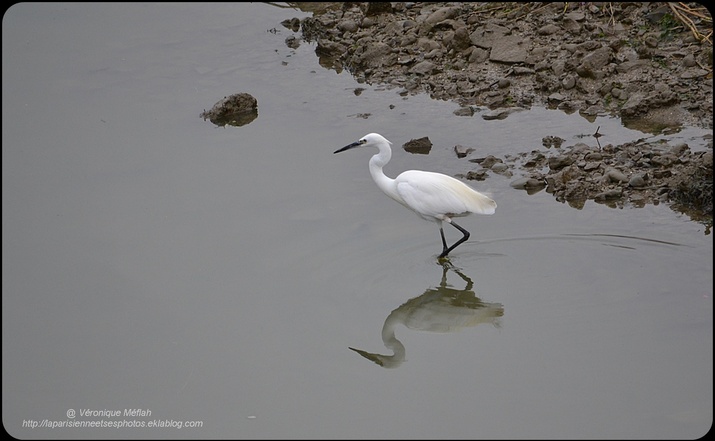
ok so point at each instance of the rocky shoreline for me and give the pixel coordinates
(648, 63)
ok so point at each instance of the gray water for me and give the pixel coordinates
(160, 271)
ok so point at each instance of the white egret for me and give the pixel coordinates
(434, 196)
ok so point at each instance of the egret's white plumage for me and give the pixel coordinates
(434, 196)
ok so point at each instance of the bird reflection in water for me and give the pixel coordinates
(441, 309)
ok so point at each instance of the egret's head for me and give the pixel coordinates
(369, 140)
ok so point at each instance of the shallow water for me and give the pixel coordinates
(221, 275)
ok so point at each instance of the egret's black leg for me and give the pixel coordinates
(444, 243)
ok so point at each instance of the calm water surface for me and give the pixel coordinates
(160, 271)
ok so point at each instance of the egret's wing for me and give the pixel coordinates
(436, 195)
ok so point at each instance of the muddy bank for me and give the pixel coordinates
(648, 63)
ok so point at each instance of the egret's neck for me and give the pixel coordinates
(385, 183)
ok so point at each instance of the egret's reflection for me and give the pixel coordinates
(440, 309)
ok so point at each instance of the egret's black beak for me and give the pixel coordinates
(348, 147)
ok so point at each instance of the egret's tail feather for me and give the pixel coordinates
(482, 204)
